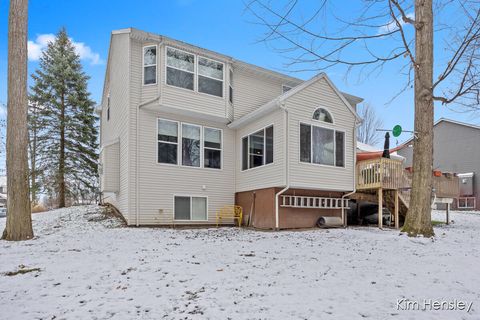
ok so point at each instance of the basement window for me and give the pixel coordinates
(190, 208)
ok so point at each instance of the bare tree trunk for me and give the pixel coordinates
(418, 221)
(19, 218)
(61, 169)
(33, 160)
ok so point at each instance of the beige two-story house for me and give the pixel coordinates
(186, 131)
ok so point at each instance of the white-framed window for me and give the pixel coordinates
(167, 132)
(320, 145)
(210, 77)
(199, 146)
(149, 65)
(212, 148)
(193, 72)
(180, 69)
(257, 148)
(108, 107)
(322, 114)
(190, 208)
(191, 136)
(285, 88)
(230, 86)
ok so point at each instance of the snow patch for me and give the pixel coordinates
(92, 267)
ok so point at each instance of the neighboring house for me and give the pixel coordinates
(3, 191)
(456, 149)
(186, 131)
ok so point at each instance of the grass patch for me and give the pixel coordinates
(437, 223)
(22, 270)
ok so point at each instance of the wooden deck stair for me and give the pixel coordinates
(384, 180)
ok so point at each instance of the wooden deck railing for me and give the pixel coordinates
(380, 173)
(390, 174)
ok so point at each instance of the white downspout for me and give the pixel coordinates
(344, 220)
(137, 111)
(287, 180)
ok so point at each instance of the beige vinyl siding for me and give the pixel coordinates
(254, 89)
(172, 96)
(301, 107)
(116, 128)
(270, 175)
(110, 158)
(158, 183)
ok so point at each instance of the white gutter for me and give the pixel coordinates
(344, 220)
(287, 180)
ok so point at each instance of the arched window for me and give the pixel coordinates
(322, 114)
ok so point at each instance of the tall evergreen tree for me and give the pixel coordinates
(69, 131)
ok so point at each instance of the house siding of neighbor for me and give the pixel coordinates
(177, 145)
(456, 149)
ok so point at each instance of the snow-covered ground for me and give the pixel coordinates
(90, 268)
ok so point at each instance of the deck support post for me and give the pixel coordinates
(397, 222)
(380, 208)
(447, 213)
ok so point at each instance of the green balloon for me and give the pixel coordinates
(397, 130)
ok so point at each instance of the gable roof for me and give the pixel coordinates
(277, 102)
(457, 122)
(449, 121)
(290, 80)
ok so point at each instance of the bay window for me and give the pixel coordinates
(150, 65)
(180, 69)
(183, 69)
(320, 145)
(210, 77)
(257, 148)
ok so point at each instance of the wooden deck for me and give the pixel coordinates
(386, 182)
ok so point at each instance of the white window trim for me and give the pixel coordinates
(230, 85)
(223, 76)
(201, 144)
(188, 71)
(179, 146)
(168, 142)
(465, 200)
(209, 148)
(108, 107)
(334, 146)
(150, 65)
(264, 148)
(189, 196)
(195, 74)
(320, 121)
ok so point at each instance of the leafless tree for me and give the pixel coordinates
(367, 132)
(388, 31)
(19, 217)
